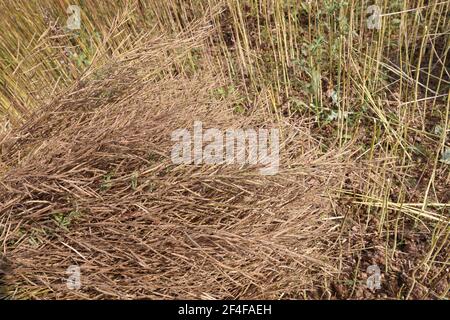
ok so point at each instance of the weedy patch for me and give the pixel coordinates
(65, 220)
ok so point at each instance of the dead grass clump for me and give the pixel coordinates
(88, 181)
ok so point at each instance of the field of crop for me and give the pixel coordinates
(92, 206)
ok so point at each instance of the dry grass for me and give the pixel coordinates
(90, 182)
(86, 178)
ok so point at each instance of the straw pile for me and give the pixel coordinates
(88, 181)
